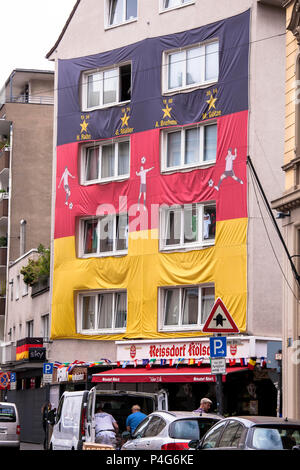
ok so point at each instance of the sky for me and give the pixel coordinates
(29, 29)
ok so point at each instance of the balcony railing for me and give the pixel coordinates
(2, 306)
(4, 158)
(31, 99)
(3, 255)
(3, 205)
(40, 287)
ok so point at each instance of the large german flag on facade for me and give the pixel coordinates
(151, 186)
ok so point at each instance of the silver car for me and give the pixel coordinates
(9, 425)
(170, 430)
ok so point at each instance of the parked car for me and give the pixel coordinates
(251, 432)
(9, 426)
(169, 430)
(75, 417)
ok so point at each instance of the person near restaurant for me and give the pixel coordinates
(106, 427)
(205, 405)
(134, 419)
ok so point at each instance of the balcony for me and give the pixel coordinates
(2, 306)
(3, 256)
(40, 287)
(3, 205)
(4, 160)
(31, 99)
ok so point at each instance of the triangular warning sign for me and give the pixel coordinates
(220, 320)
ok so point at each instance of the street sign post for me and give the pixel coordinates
(218, 346)
(219, 320)
(47, 372)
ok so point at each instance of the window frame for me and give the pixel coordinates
(182, 245)
(162, 298)
(124, 21)
(163, 9)
(98, 253)
(186, 87)
(84, 87)
(183, 130)
(83, 161)
(81, 295)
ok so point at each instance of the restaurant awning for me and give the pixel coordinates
(162, 374)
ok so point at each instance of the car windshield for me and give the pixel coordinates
(193, 428)
(275, 438)
(7, 413)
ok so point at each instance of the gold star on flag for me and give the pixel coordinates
(84, 125)
(124, 120)
(167, 111)
(211, 102)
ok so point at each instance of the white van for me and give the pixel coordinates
(75, 417)
(9, 426)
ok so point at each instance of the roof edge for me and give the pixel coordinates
(63, 30)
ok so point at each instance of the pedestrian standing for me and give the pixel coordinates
(205, 405)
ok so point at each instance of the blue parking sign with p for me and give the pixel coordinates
(48, 368)
(218, 346)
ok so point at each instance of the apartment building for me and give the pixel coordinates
(288, 205)
(155, 215)
(26, 126)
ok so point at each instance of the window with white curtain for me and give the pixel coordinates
(185, 307)
(105, 162)
(102, 311)
(191, 67)
(187, 226)
(105, 235)
(188, 147)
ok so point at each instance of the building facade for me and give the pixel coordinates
(26, 123)
(154, 213)
(288, 204)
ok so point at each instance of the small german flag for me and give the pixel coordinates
(251, 363)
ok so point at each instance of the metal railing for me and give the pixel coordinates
(30, 99)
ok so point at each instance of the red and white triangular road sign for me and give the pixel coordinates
(220, 320)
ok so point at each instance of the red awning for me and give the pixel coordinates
(162, 374)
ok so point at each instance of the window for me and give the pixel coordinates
(188, 226)
(29, 329)
(45, 327)
(168, 4)
(190, 428)
(212, 436)
(185, 307)
(231, 435)
(154, 427)
(106, 235)
(18, 287)
(189, 147)
(121, 11)
(103, 311)
(105, 162)
(106, 87)
(191, 67)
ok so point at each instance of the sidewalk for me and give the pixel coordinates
(30, 446)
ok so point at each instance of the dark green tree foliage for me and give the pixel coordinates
(39, 269)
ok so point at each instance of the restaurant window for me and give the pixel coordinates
(102, 311)
(183, 308)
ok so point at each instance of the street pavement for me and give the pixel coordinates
(30, 446)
